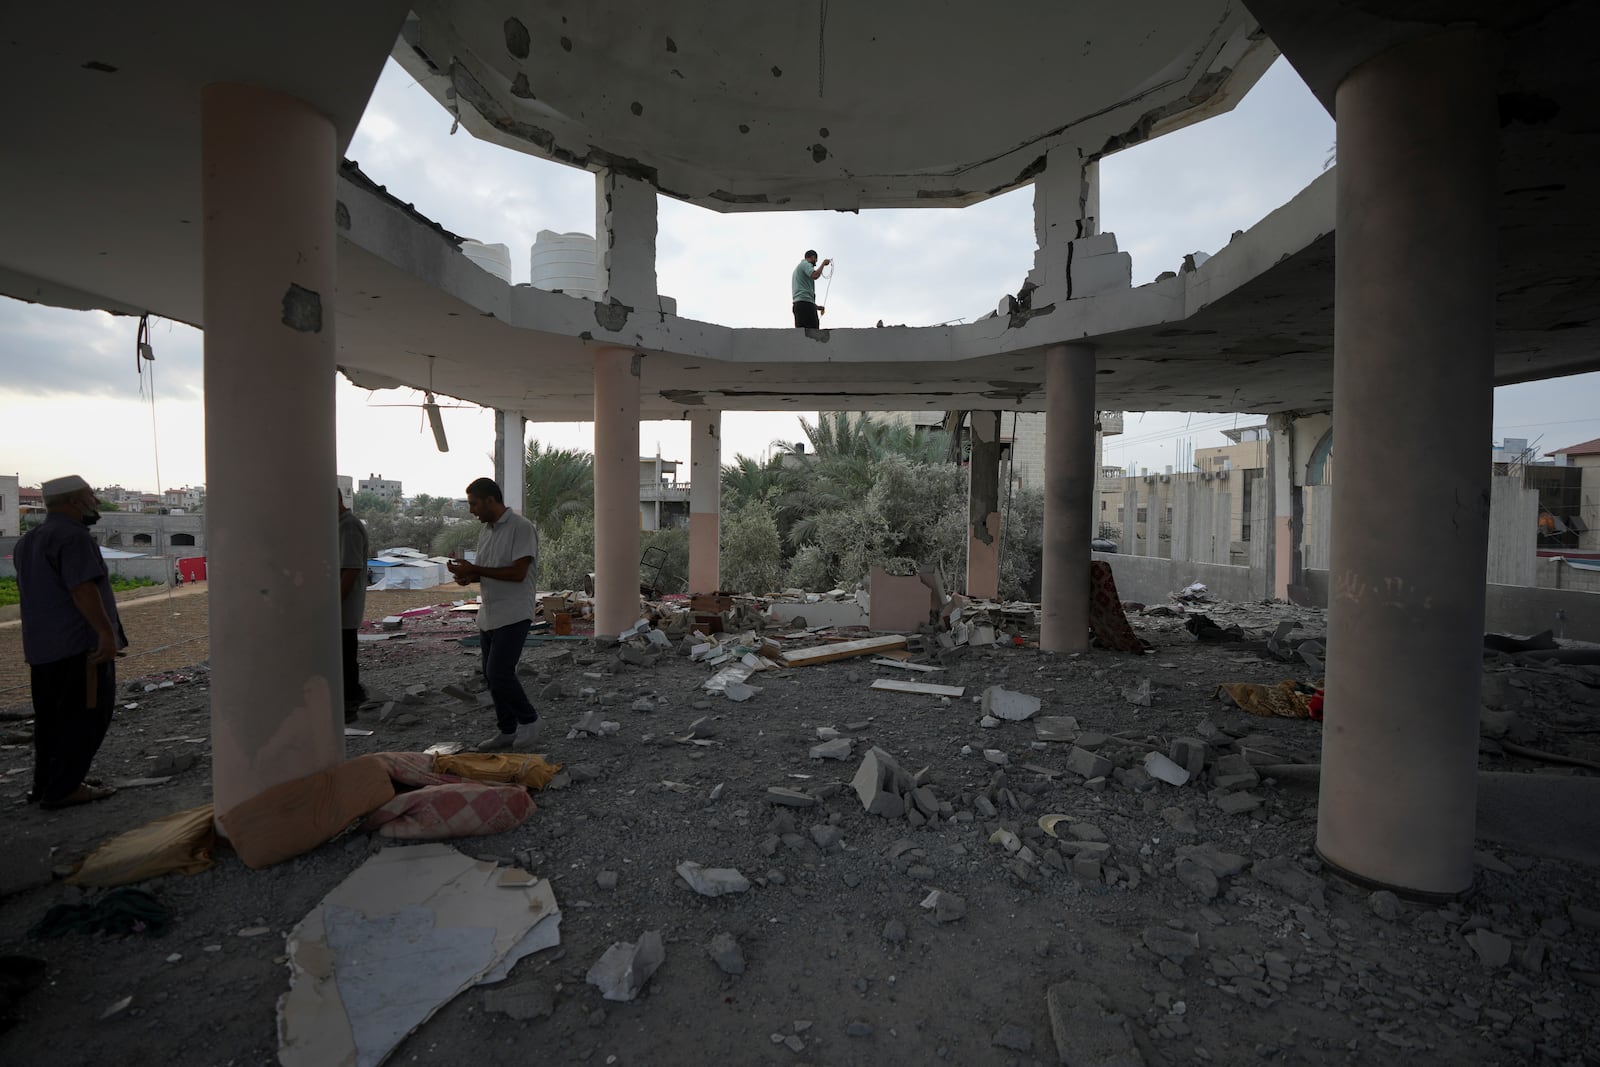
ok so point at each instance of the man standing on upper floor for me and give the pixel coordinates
(803, 283)
(71, 634)
(507, 568)
(354, 552)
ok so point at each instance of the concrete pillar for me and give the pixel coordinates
(268, 163)
(616, 490)
(511, 457)
(625, 242)
(983, 506)
(1413, 322)
(1286, 506)
(1068, 497)
(1155, 513)
(705, 500)
(1130, 514)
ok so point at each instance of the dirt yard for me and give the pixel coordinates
(1198, 915)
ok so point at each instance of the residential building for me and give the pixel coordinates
(347, 491)
(663, 500)
(381, 487)
(1583, 516)
(10, 505)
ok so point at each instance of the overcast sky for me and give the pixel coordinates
(73, 402)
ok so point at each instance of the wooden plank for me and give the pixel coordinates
(894, 685)
(865, 646)
(881, 662)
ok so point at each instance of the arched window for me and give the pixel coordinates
(183, 539)
(141, 539)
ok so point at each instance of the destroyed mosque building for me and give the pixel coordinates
(176, 163)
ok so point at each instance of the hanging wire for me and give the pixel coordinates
(144, 353)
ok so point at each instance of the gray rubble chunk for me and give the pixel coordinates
(1163, 769)
(1175, 945)
(1188, 753)
(837, 748)
(826, 837)
(946, 907)
(1180, 821)
(738, 692)
(1055, 728)
(1086, 1028)
(624, 968)
(1222, 864)
(1237, 803)
(858, 1028)
(789, 798)
(712, 881)
(1201, 880)
(606, 879)
(725, 953)
(894, 931)
(1138, 695)
(1014, 1037)
(1083, 762)
(1285, 874)
(1494, 951)
(644, 704)
(876, 784)
(1385, 905)
(1008, 704)
(520, 1000)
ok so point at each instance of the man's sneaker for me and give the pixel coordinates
(526, 738)
(497, 743)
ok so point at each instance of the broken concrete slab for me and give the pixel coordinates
(1213, 859)
(1138, 695)
(624, 968)
(946, 907)
(1163, 769)
(1009, 705)
(879, 784)
(837, 748)
(725, 953)
(712, 881)
(1494, 951)
(1087, 1029)
(1237, 803)
(1056, 728)
(1081, 761)
(789, 798)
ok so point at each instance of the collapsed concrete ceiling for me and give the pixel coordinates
(741, 106)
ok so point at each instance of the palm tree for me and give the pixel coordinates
(557, 482)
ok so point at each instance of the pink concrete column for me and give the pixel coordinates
(268, 166)
(1069, 482)
(1414, 348)
(616, 490)
(705, 500)
(983, 506)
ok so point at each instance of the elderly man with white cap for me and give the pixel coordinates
(70, 636)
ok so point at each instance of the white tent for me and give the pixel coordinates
(404, 568)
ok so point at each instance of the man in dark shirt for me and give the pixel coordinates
(71, 634)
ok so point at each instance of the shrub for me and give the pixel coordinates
(566, 559)
(752, 553)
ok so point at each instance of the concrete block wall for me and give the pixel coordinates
(1148, 579)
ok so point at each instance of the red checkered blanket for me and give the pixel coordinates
(455, 809)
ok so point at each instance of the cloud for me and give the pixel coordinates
(55, 353)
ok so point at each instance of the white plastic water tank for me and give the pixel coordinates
(496, 259)
(563, 261)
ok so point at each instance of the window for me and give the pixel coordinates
(183, 539)
(141, 539)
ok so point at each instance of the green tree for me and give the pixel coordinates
(673, 576)
(456, 536)
(566, 559)
(752, 553)
(559, 482)
(366, 502)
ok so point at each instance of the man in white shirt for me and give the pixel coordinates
(506, 569)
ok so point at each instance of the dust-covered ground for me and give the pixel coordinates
(1177, 924)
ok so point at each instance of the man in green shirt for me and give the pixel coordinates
(803, 283)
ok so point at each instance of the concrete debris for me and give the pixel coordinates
(521, 1000)
(881, 785)
(838, 748)
(1139, 695)
(1083, 762)
(1188, 753)
(946, 907)
(643, 704)
(1086, 1029)
(1163, 769)
(1385, 905)
(606, 880)
(1200, 879)
(1234, 771)
(623, 970)
(1213, 859)
(827, 733)
(1494, 951)
(989, 722)
(739, 692)
(1285, 874)
(1237, 803)
(996, 756)
(789, 798)
(894, 931)
(1056, 728)
(1180, 821)
(827, 838)
(1009, 705)
(1174, 945)
(712, 881)
(725, 953)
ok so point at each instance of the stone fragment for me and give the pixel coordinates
(1014, 1037)
(995, 756)
(1385, 905)
(1083, 762)
(1237, 803)
(1188, 753)
(826, 837)
(984, 806)
(1201, 880)
(1008, 704)
(1285, 874)
(894, 931)
(1087, 868)
(1163, 769)
(624, 968)
(1175, 945)
(838, 748)
(878, 784)
(606, 879)
(1180, 821)
(1234, 771)
(826, 733)
(643, 704)
(1055, 728)
(725, 953)
(520, 1000)
(858, 1028)
(1086, 831)
(1494, 951)
(712, 881)
(789, 798)
(1138, 695)
(1222, 864)
(946, 907)
(738, 692)
(1087, 1030)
